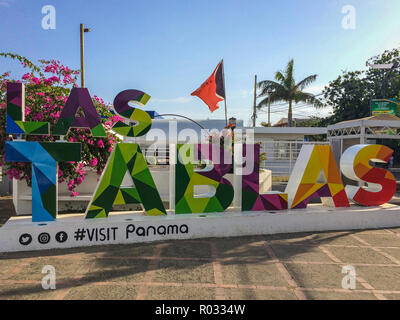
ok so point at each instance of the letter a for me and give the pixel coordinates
(79, 98)
(125, 157)
(305, 182)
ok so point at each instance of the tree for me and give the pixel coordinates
(351, 93)
(286, 89)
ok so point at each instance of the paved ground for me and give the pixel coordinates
(295, 266)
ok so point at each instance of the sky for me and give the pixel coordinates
(169, 48)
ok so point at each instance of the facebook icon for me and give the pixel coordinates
(61, 236)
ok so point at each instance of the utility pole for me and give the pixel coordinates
(223, 78)
(386, 75)
(269, 108)
(255, 102)
(82, 33)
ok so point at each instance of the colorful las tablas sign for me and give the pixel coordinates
(313, 163)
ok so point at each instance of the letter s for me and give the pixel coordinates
(141, 118)
(355, 166)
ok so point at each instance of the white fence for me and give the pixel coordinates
(282, 155)
(156, 155)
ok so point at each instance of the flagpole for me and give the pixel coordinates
(223, 77)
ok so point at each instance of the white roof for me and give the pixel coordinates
(288, 130)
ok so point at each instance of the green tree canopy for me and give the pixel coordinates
(351, 93)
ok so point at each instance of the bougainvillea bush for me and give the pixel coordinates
(47, 87)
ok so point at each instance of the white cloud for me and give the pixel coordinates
(315, 89)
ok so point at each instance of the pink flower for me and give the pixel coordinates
(36, 80)
(93, 162)
(116, 118)
(79, 180)
(71, 183)
(26, 76)
(100, 143)
(73, 194)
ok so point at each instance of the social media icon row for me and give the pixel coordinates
(43, 238)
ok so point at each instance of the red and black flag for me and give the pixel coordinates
(212, 90)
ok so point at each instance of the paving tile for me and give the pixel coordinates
(181, 293)
(358, 255)
(250, 253)
(252, 273)
(394, 252)
(187, 249)
(230, 243)
(130, 251)
(252, 250)
(396, 230)
(300, 253)
(381, 278)
(117, 270)
(257, 294)
(102, 292)
(184, 271)
(351, 295)
(25, 292)
(7, 266)
(316, 276)
(299, 238)
(71, 253)
(64, 268)
(381, 239)
(335, 238)
(370, 232)
(244, 261)
(395, 296)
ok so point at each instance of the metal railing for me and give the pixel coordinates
(282, 155)
(156, 156)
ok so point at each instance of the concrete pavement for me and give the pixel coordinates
(287, 266)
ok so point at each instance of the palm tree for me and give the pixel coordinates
(286, 89)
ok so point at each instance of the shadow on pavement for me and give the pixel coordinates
(233, 251)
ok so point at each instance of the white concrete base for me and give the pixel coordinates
(122, 228)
